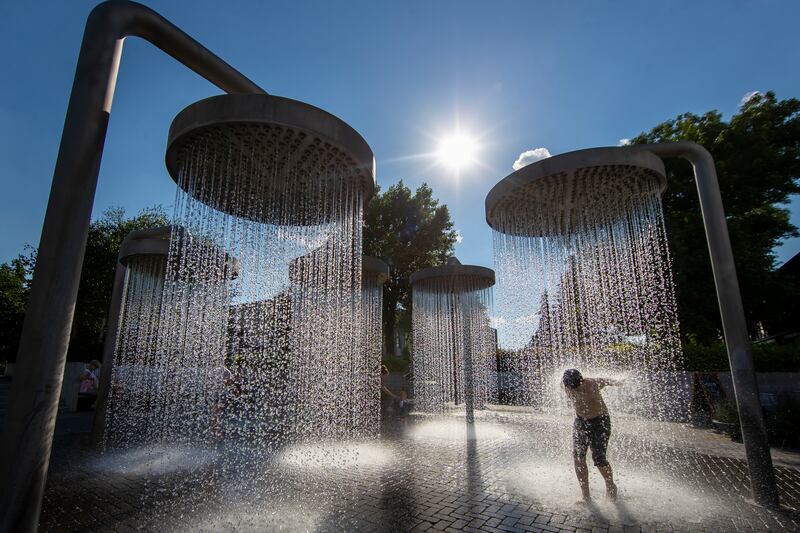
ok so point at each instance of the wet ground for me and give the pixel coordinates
(512, 472)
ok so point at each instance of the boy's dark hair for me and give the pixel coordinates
(572, 378)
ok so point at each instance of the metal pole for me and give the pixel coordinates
(745, 386)
(28, 434)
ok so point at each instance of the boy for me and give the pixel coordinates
(591, 429)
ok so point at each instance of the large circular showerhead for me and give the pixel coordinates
(148, 242)
(156, 242)
(374, 268)
(267, 158)
(553, 195)
(459, 278)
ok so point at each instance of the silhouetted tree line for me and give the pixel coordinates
(757, 153)
(94, 292)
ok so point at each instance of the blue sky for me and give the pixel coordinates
(518, 75)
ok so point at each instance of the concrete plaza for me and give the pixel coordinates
(513, 472)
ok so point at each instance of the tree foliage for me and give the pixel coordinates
(14, 290)
(94, 292)
(97, 277)
(767, 357)
(757, 154)
(409, 232)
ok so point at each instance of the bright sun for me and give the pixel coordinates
(457, 151)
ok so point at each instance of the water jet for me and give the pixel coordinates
(141, 263)
(374, 274)
(453, 351)
(581, 236)
(28, 434)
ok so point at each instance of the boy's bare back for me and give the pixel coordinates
(587, 399)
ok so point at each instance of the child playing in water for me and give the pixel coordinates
(591, 429)
(404, 404)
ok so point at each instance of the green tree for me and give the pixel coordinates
(97, 277)
(14, 290)
(409, 232)
(94, 292)
(757, 155)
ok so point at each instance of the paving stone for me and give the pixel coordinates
(431, 489)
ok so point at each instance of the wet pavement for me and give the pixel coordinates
(511, 472)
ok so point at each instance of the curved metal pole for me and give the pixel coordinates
(36, 388)
(737, 341)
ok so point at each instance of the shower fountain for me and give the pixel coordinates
(374, 274)
(583, 274)
(453, 350)
(132, 381)
(261, 178)
(246, 367)
(135, 306)
(584, 279)
(259, 387)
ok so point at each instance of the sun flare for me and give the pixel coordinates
(457, 151)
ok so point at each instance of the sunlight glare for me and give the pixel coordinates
(457, 151)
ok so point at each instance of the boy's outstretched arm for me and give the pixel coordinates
(608, 382)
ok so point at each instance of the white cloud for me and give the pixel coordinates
(459, 237)
(748, 96)
(531, 156)
(624, 142)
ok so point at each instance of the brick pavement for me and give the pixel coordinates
(513, 476)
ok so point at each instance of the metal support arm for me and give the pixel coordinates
(745, 386)
(36, 388)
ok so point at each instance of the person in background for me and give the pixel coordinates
(387, 397)
(89, 383)
(404, 406)
(592, 428)
(227, 390)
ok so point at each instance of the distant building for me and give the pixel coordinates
(787, 327)
(791, 267)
